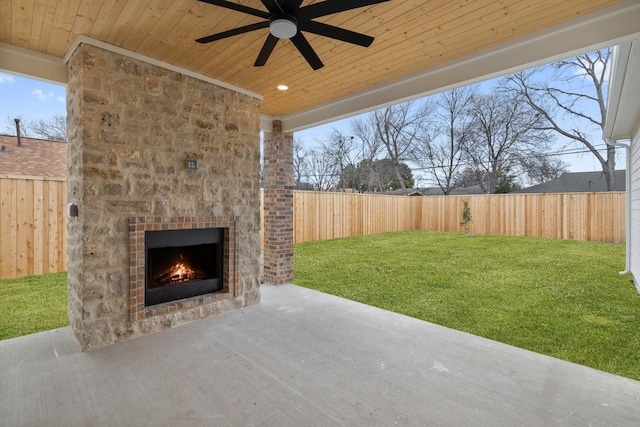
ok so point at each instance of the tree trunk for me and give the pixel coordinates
(609, 168)
(401, 180)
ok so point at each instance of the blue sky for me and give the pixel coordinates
(31, 99)
(35, 99)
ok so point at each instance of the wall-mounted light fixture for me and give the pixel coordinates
(72, 210)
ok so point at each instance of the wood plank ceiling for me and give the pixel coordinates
(410, 36)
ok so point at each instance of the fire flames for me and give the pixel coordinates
(180, 272)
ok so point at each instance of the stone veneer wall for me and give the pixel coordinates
(131, 126)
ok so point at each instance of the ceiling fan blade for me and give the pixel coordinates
(330, 7)
(307, 51)
(337, 33)
(271, 5)
(266, 50)
(292, 5)
(284, 6)
(238, 7)
(234, 32)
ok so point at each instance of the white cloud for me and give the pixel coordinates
(6, 78)
(44, 97)
(61, 99)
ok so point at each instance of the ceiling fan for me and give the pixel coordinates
(286, 20)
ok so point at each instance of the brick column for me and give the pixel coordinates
(278, 205)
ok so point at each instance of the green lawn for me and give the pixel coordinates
(32, 304)
(560, 298)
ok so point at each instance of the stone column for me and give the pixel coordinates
(278, 205)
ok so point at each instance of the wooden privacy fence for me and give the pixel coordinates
(33, 226)
(571, 216)
(33, 221)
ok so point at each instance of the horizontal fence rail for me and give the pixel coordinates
(33, 222)
(33, 226)
(571, 216)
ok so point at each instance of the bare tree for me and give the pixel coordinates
(10, 126)
(541, 168)
(300, 163)
(341, 149)
(53, 129)
(505, 134)
(323, 173)
(471, 176)
(396, 128)
(371, 148)
(441, 152)
(571, 99)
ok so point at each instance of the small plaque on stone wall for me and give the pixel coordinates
(192, 164)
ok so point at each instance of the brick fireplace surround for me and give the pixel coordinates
(131, 127)
(139, 226)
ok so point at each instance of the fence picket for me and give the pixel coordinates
(32, 226)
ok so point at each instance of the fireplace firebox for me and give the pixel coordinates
(183, 264)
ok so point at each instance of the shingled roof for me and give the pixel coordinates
(578, 182)
(34, 157)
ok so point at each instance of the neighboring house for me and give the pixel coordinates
(32, 157)
(458, 191)
(577, 182)
(401, 192)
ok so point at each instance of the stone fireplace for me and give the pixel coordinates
(136, 129)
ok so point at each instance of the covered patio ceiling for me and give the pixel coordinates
(420, 47)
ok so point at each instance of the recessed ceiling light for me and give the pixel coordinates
(283, 87)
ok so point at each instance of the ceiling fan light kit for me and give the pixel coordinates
(283, 27)
(287, 20)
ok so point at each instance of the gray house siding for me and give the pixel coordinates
(634, 240)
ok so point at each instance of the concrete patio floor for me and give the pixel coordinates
(303, 358)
